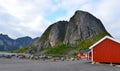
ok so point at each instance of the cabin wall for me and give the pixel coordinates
(81, 56)
(106, 51)
(84, 56)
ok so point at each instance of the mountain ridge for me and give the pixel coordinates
(7, 43)
(82, 30)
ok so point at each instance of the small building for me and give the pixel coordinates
(106, 50)
(84, 54)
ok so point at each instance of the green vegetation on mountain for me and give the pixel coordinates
(60, 49)
(63, 49)
(67, 38)
(85, 44)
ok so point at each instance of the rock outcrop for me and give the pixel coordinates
(53, 36)
(82, 25)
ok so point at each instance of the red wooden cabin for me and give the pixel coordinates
(106, 50)
(84, 54)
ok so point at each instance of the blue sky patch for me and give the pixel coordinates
(53, 16)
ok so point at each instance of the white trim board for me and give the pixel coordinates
(102, 40)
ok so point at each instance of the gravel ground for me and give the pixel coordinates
(35, 65)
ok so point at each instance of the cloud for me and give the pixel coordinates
(31, 17)
(108, 12)
(23, 17)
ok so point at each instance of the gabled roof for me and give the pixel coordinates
(106, 37)
(85, 51)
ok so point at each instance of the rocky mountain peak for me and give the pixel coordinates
(82, 26)
(57, 33)
(80, 12)
(52, 36)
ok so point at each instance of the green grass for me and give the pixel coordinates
(63, 49)
(86, 43)
(23, 50)
(60, 49)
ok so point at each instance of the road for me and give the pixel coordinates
(35, 65)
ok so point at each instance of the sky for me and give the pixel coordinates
(20, 18)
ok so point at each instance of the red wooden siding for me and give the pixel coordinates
(84, 55)
(81, 56)
(107, 51)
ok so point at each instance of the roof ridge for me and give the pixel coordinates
(104, 39)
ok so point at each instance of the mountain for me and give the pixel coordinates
(81, 31)
(24, 41)
(53, 36)
(81, 26)
(7, 43)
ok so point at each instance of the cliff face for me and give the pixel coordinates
(81, 26)
(57, 33)
(53, 36)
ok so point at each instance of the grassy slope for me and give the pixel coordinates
(65, 50)
(84, 44)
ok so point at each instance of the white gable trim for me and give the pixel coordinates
(102, 40)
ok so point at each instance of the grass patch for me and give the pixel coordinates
(86, 43)
(59, 50)
(63, 49)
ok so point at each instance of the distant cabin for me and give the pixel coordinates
(84, 54)
(106, 50)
